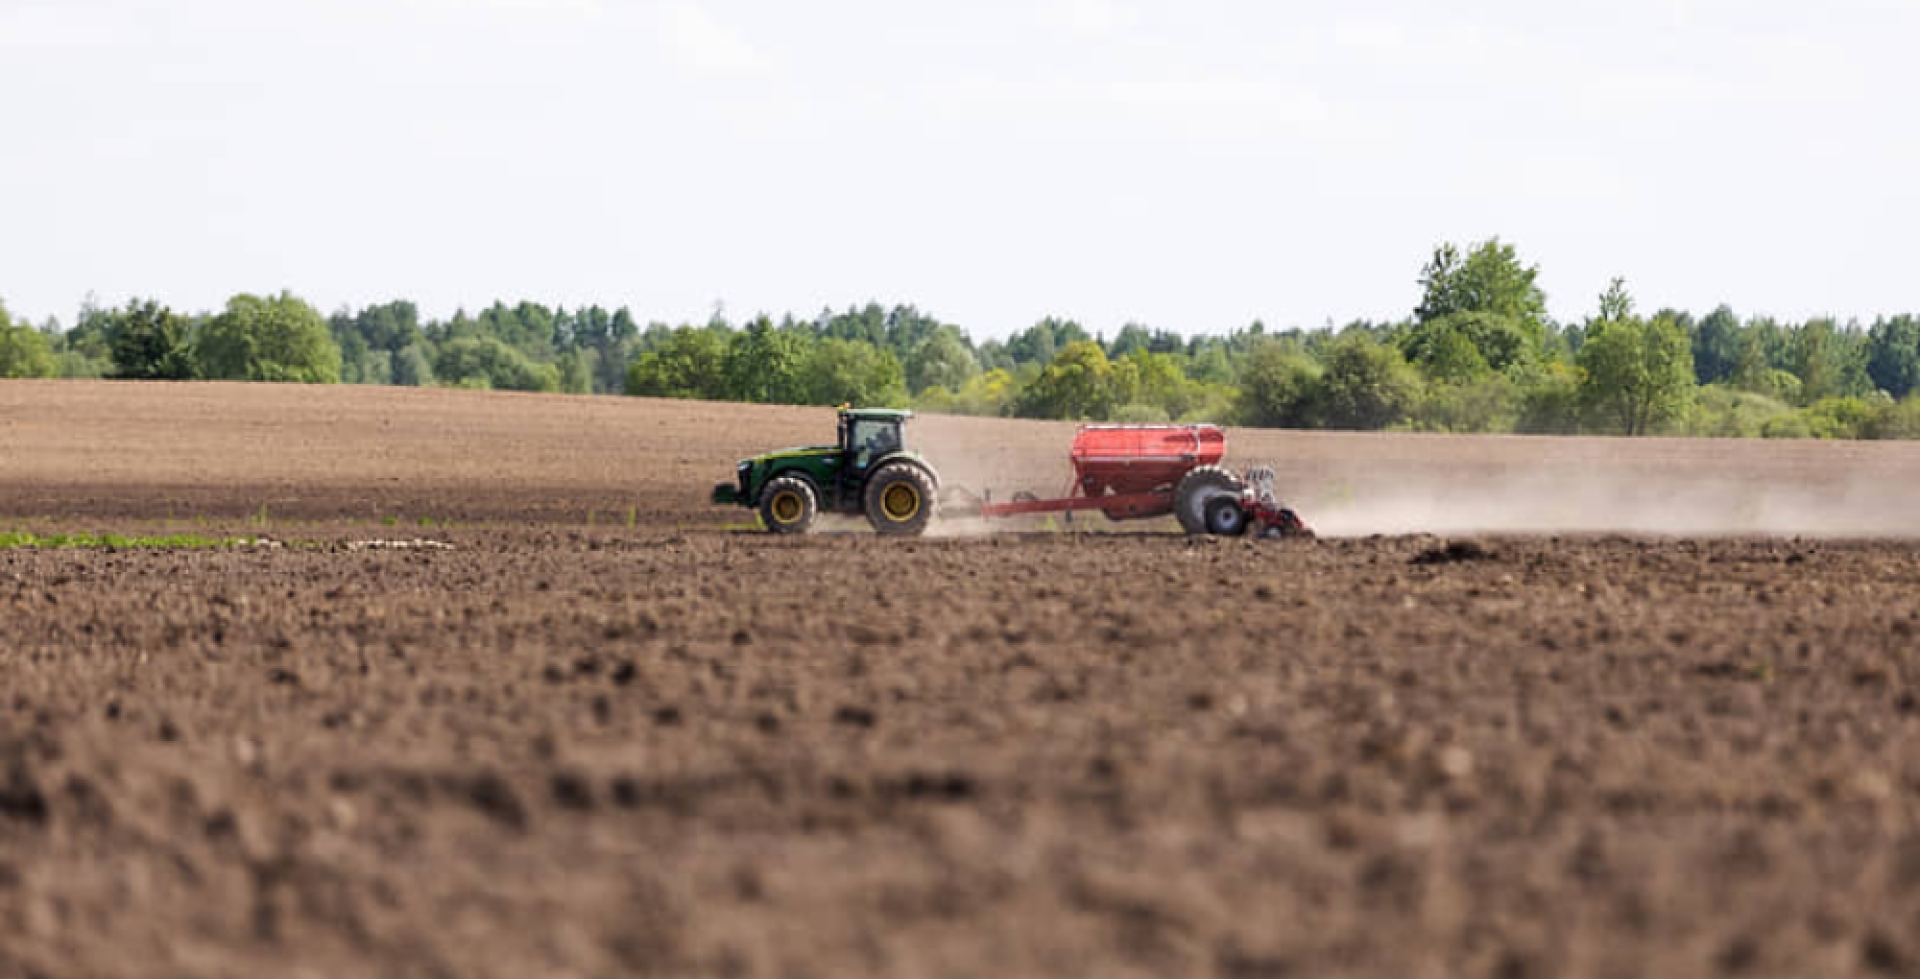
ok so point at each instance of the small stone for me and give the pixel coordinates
(344, 816)
(1455, 762)
(1870, 786)
(853, 716)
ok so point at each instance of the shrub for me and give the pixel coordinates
(1140, 415)
(1838, 418)
(1489, 404)
(1788, 426)
(1721, 411)
(1895, 421)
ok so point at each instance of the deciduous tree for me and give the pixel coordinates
(24, 351)
(1638, 374)
(1077, 384)
(1366, 384)
(149, 342)
(275, 338)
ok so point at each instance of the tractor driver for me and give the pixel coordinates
(872, 440)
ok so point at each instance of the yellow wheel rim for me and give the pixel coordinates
(787, 507)
(901, 502)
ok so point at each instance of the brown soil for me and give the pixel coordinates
(561, 749)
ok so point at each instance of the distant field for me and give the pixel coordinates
(90, 449)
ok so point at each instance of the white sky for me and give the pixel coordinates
(1188, 165)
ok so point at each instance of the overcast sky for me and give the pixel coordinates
(1191, 165)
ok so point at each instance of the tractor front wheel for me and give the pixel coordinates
(788, 506)
(900, 500)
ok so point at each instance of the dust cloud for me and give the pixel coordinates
(1614, 503)
(1357, 484)
(1347, 485)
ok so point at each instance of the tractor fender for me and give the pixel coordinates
(785, 472)
(903, 458)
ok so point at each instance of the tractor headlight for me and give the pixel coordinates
(743, 467)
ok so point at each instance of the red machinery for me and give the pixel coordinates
(1132, 472)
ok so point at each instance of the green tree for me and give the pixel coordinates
(576, 369)
(1366, 384)
(1550, 400)
(277, 338)
(766, 365)
(907, 328)
(1277, 386)
(1829, 361)
(1157, 380)
(24, 351)
(1488, 296)
(1896, 421)
(1043, 341)
(88, 338)
(1489, 403)
(1498, 342)
(1893, 355)
(1449, 351)
(867, 324)
(1616, 303)
(413, 365)
(850, 372)
(608, 337)
(993, 355)
(1839, 418)
(1638, 374)
(990, 394)
(1131, 337)
(1077, 384)
(389, 326)
(941, 360)
(149, 342)
(1716, 346)
(490, 363)
(689, 364)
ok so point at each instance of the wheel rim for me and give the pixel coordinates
(787, 507)
(1226, 518)
(900, 502)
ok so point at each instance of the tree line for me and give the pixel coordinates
(1479, 353)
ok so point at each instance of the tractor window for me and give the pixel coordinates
(874, 438)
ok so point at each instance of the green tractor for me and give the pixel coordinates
(869, 472)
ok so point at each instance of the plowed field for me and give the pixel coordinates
(1642, 708)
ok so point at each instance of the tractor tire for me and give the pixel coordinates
(900, 500)
(788, 505)
(1225, 517)
(1197, 488)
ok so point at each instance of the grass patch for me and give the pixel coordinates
(16, 540)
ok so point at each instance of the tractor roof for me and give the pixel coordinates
(882, 414)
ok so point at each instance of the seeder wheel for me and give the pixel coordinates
(1199, 488)
(1225, 517)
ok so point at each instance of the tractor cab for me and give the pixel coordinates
(869, 434)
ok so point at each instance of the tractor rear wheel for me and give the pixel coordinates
(788, 505)
(900, 499)
(1197, 488)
